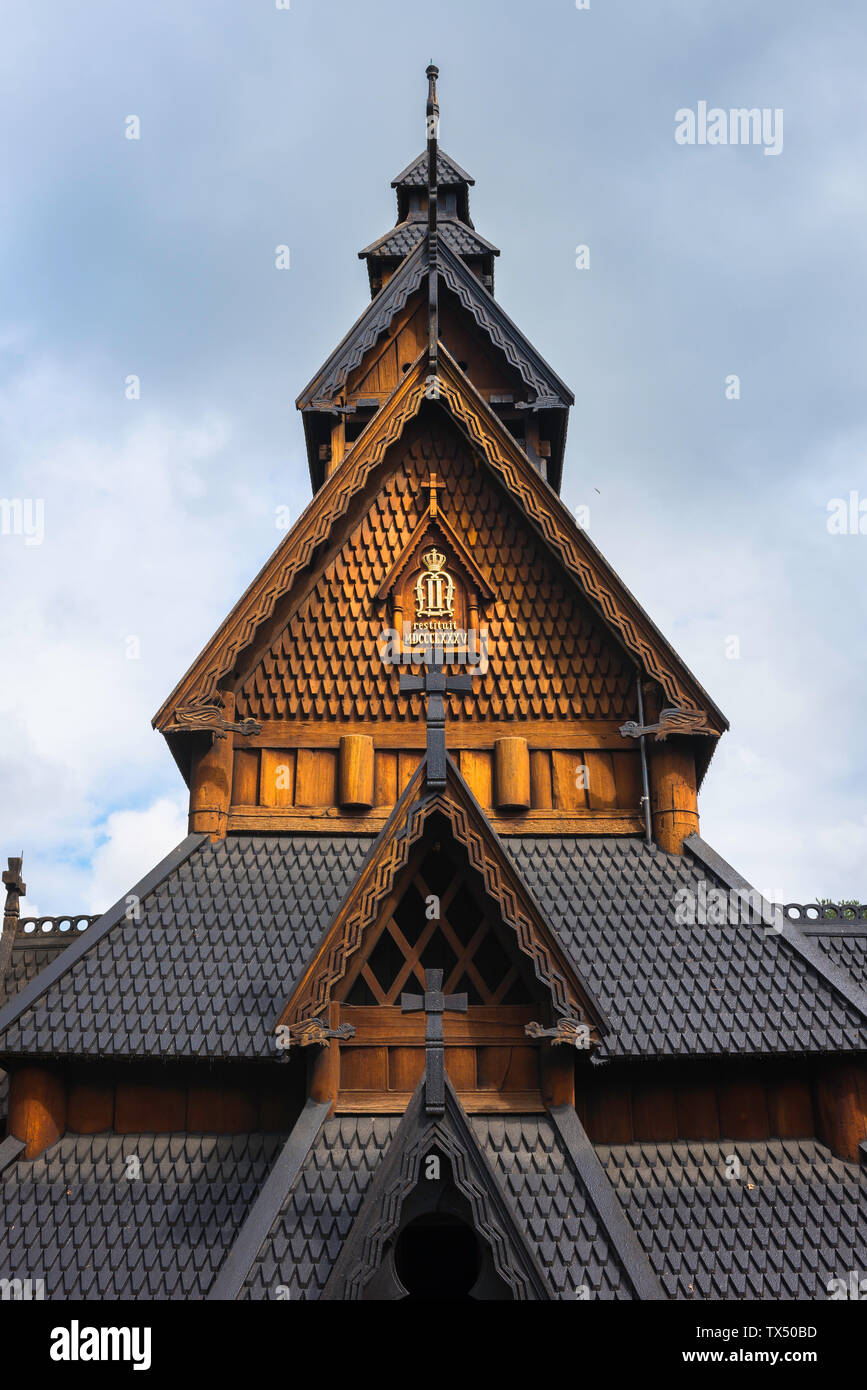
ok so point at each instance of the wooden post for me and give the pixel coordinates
(673, 795)
(15, 890)
(211, 780)
(356, 771)
(338, 445)
(37, 1108)
(324, 1072)
(557, 1075)
(512, 774)
(841, 1108)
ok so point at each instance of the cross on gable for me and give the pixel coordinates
(435, 1004)
(432, 485)
(436, 685)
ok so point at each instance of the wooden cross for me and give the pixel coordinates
(435, 1004)
(436, 684)
(15, 885)
(432, 484)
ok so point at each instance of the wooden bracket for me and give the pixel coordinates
(312, 1032)
(209, 718)
(671, 721)
(566, 1030)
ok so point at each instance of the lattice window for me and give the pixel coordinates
(463, 943)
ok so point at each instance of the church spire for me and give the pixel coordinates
(433, 121)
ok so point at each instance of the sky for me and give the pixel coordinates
(145, 513)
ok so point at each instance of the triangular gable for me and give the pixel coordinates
(594, 577)
(570, 996)
(548, 655)
(400, 1171)
(505, 335)
(434, 521)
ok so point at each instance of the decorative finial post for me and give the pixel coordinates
(433, 122)
(16, 888)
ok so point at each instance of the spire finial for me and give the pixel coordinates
(433, 123)
(432, 72)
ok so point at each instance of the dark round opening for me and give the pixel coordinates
(437, 1258)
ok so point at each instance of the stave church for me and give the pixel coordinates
(444, 996)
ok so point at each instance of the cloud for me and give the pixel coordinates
(135, 841)
(143, 513)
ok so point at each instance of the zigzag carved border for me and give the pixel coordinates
(485, 431)
(559, 539)
(315, 992)
(390, 1205)
(311, 529)
(380, 314)
(470, 297)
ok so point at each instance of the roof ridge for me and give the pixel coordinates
(609, 1209)
(66, 959)
(268, 1204)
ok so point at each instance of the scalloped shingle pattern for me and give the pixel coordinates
(549, 657)
(849, 951)
(317, 1214)
(73, 1218)
(406, 236)
(669, 989)
(540, 1183)
(205, 971)
(449, 173)
(795, 1219)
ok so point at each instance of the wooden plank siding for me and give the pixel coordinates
(285, 786)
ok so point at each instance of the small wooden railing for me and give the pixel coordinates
(50, 930)
(812, 917)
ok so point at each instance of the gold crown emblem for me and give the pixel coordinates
(434, 560)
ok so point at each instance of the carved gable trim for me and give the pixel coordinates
(470, 828)
(399, 1172)
(540, 504)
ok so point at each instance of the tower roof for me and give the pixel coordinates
(449, 173)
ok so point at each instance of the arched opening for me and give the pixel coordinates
(437, 1258)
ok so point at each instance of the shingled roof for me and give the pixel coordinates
(503, 333)
(226, 932)
(221, 937)
(317, 1212)
(449, 172)
(843, 942)
(613, 902)
(551, 1180)
(405, 237)
(75, 1218)
(793, 1219)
